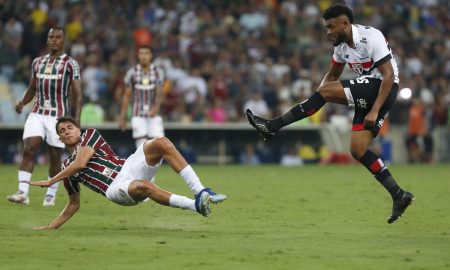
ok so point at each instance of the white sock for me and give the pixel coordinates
(24, 176)
(181, 202)
(140, 142)
(51, 190)
(191, 179)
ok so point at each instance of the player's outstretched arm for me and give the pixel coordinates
(83, 156)
(71, 208)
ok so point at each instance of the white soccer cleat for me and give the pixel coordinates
(19, 197)
(49, 200)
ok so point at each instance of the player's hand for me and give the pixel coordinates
(19, 107)
(122, 124)
(371, 118)
(45, 183)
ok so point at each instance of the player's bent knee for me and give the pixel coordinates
(141, 189)
(164, 144)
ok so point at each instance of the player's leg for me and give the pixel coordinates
(329, 92)
(163, 148)
(363, 94)
(155, 129)
(54, 168)
(30, 148)
(139, 130)
(33, 134)
(54, 149)
(139, 190)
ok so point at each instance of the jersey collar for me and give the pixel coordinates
(355, 36)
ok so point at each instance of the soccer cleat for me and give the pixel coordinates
(19, 197)
(202, 203)
(400, 205)
(214, 197)
(49, 200)
(260, 124)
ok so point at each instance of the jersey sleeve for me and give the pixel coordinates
(76, 71)
(71, 186)
(337, 59)
(128, 78)
(34, 67)
(380, 51)
(92, 138)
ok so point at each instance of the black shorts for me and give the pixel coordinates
(361, 94)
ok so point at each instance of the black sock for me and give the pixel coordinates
(298, 112)
(376, 166)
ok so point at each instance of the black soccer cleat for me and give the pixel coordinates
(260, 124)
(400, 205)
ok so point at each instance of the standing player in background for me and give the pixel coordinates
(144, 81)
(52, 77)
(367, 52)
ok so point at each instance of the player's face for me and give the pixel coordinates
(336, 30)
(55, 40)
(144, 56)
(68, 133)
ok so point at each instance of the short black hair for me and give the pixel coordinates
(337, 10)
(58, 28)
(64, 119)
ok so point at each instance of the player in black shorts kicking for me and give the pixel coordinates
(372, 94)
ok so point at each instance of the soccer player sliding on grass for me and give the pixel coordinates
(125, 182)
(372, 94)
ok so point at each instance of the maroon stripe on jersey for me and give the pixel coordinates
(94, 182)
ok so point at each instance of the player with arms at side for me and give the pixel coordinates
(144, 82)
(372, 94)
(52, 77)
(125, 182)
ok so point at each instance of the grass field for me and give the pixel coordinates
(314, 217)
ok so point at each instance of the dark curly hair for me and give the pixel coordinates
(337, 10)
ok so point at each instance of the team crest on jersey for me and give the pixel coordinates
(106, 171)
(362, 103)
(358, 68)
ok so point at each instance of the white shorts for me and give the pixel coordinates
(150, 127)
(38, 125)
(135, 168)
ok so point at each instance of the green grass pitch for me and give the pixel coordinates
(313, 217)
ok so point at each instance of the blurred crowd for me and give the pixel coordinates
(220, 57)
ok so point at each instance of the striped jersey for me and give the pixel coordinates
(143, 85)
(53, 81)
(101, 169)
(371, 50)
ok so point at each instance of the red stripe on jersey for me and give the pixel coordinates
(363, 64)
(335, 63)
(357, 127)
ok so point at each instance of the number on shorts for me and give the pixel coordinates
(359, 80)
